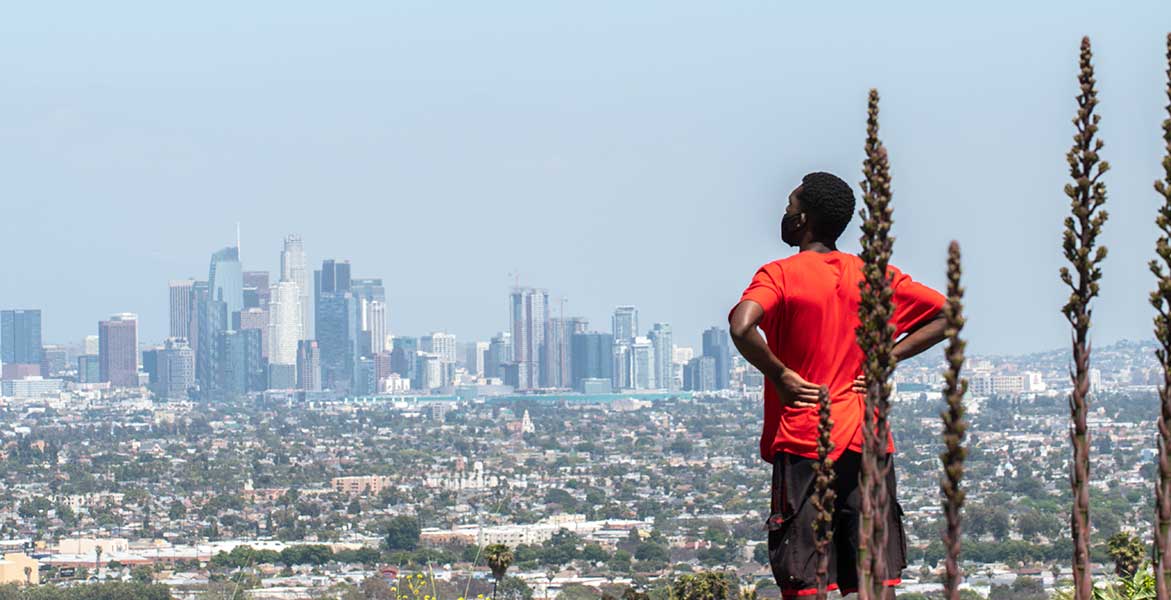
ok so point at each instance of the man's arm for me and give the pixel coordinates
(793, 389)
(921, 338)
(926, 335)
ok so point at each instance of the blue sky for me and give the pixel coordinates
(613, 152)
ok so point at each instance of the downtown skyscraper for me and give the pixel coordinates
(664, 370)
(181, 298)
(20, 343)
(528, 310)
(284, 332)
(225, 296)
(118, 350)
(337, 323)
(295, 268)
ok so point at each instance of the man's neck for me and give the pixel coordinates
(819, 247)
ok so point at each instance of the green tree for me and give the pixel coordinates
(402, 533)
(1128, 553)
(513, 588)
(705, 585)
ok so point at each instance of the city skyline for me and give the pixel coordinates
(491, 158)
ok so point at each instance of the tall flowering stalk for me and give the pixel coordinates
(876, 338)
(1161, 299)
(954, 425)
(1087, 193)
(824, 495)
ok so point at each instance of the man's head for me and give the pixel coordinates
(819, 210)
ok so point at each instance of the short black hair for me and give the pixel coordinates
(829, 203)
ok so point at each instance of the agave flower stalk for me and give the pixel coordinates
(1161, 300)
(876, 338)
(954, 426)
(1087, 194)
(824, 495)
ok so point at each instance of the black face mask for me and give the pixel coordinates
(789, 229)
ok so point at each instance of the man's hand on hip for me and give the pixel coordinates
(795, 391)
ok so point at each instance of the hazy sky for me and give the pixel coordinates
(614, 153)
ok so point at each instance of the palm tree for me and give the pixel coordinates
(28, 575)
(98, 562)
(499, 558)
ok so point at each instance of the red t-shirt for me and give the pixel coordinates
(810, 303)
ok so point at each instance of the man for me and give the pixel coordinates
(807, 306)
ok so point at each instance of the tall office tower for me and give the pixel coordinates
(716, 345)
(402, 358)
(284, 323)
(625, 323)
(440, 344)
(89, 345)
(430, 371)
(371, 298)
(700, 374)
(118, 350)
(20, 343)
(620, 361)
(225, 287)
(150, 364)
(499, 354)
(477, 354)
(333, 277)
(295, 268)
(54, 361)
(660, 336)
(240, 369)
(198, 314)
(576, 325)
(555, 355)
(365, 377)
(256, 288)
(254, 318)
(181, 307)
(176, 369)
(376, 329)
(642, 364)
(89, 369)
(529, 309)
(383, 368)
(591, 357)
(308, 366)
(337, 325)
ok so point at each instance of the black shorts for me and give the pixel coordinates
(791, 549)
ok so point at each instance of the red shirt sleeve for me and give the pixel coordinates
(914, 303)
(765, 290)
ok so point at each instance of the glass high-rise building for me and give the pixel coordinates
(338, 326)
(591, 357)
(371, 297)
(625, 323)
(499, 354)
(20, 342)
(295, 268)
(225, 282)
(308, 366)
(529, 310)
(716, 344)
(642, 364)
(402, 357)
(660, 337)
